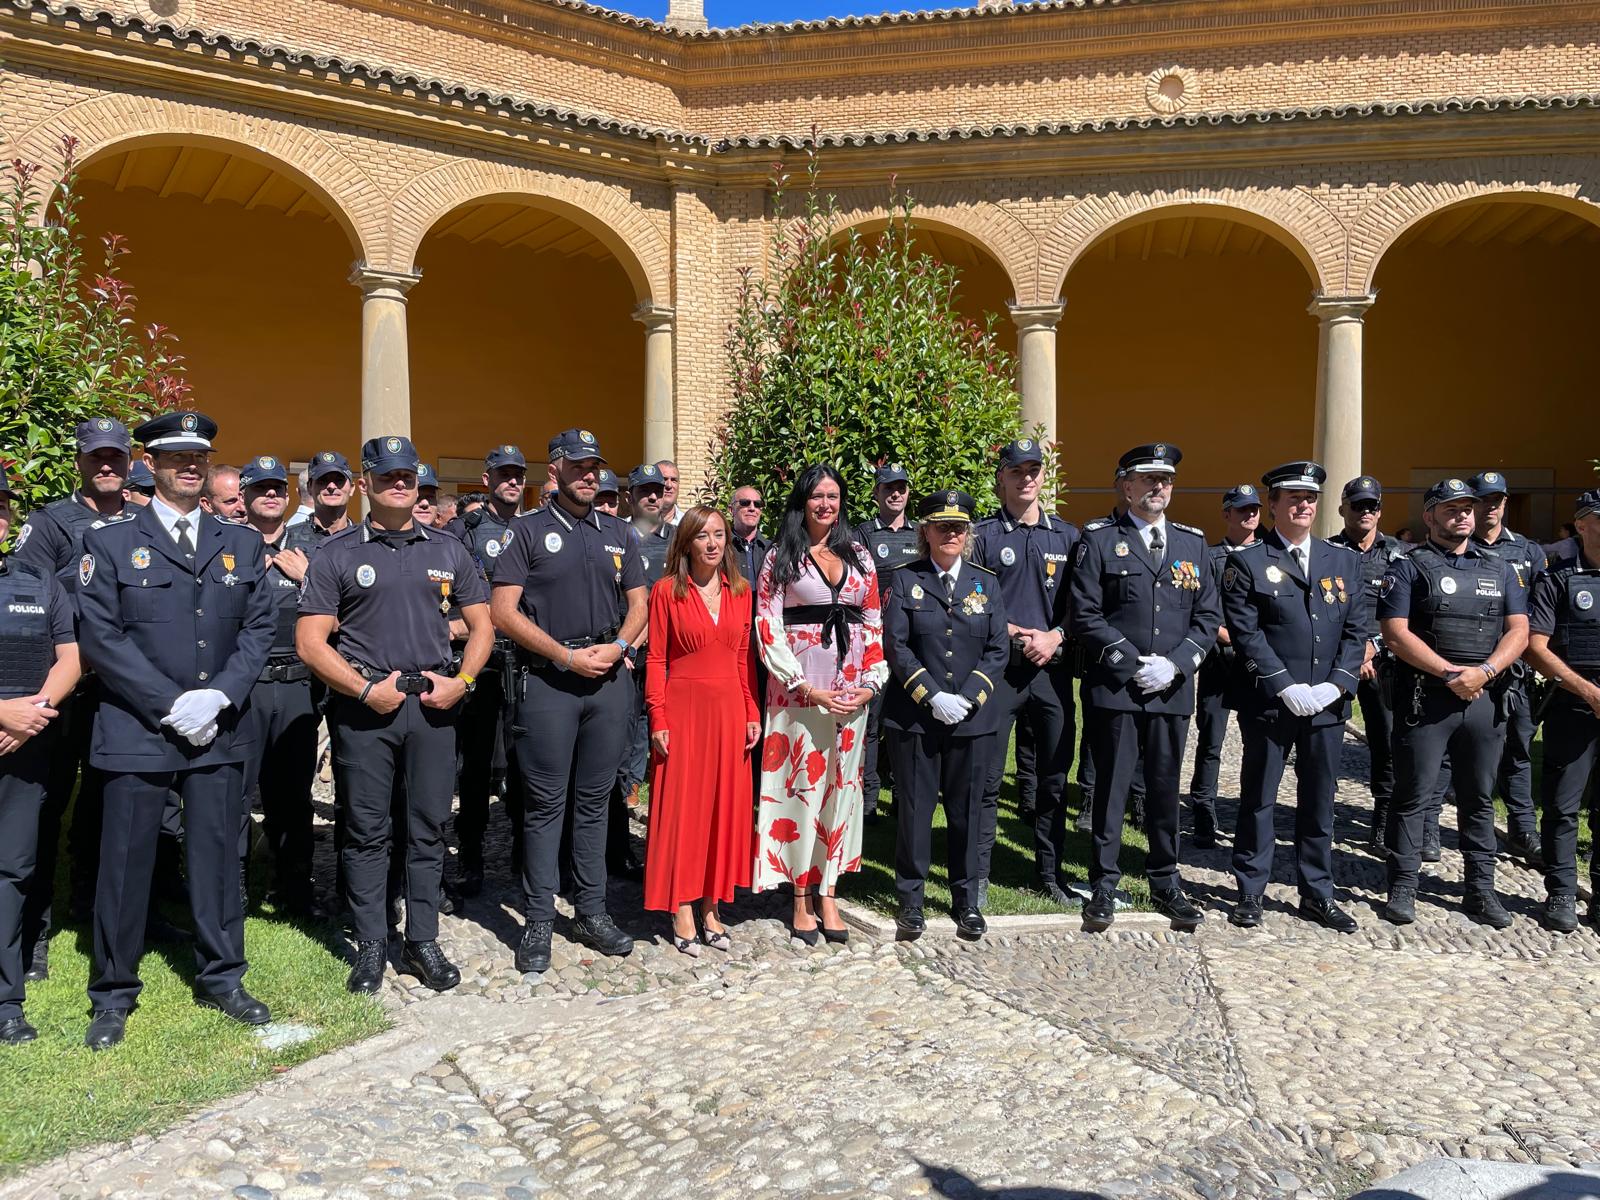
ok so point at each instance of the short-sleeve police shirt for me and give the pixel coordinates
(390, 591)
(575, 572)
(1404, 588)
(1548, 596)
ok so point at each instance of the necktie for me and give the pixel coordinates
(1157, 548)
(949, 587)
(1299, 559)
(185, 543)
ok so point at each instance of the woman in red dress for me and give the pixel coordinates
(703, 724)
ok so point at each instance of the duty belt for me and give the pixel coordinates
(286, 670)
(528, 660)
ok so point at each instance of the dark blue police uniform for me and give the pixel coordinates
(578, 576)
(653, 547)
(1130, 601)
(35, 620)
(952, 641)
(390, 591)
(1292, 625)
(1459, 605)
(1032, 563)
(891, 547)
(163, 618)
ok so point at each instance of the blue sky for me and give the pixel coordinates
(723, 13)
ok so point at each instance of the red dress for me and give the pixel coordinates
(697, 688)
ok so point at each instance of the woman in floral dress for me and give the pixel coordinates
(820, 634)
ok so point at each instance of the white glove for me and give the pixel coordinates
(193, 711)
(1156, 674)
(1325, 694)
(204, 737)
(949, 707)
(1299, 699)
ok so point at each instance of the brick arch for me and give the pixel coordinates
(1290, 216)
(602, 209)
(1569, 183)
(111, 123)
(986, 225)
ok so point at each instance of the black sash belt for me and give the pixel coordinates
(834, 619)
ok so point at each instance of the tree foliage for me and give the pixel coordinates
(849, 350)
(70, 348)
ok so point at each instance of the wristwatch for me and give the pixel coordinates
(621, 644)
(470, 680)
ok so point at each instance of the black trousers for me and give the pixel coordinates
(1042, 698)
(1211, 731)
(482, 718)
(1115, 739)
(24, 776)
(213, 804)
(1267, 743)
(283, 767)
(1027, 768)
(372, 753)
(935, 767)
(1473, 735)
(1379, 722)
(877, 766)
(1086, 771)
(1514, 779)
(1571, 735)
(570, 734)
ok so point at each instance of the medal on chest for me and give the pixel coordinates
(976, 602)
(1327, 589)
(1049, 574)
(1338, 582)
(227, 565)
(444, 596)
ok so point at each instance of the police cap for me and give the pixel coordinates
(891, 473)
(1023, 450)
(1588, 504)
(608, 482)
(1302, 476)
(1488, 483)
(101, 433)
(1245, 495)
(1154, 458)
(504, 456)
(139, 477)
(575, 443)
(177, 431)
(390, 453)
(644, 475)
(262, 469)
(427, 476)
(330, 462)
(946, 506)
(1363, 487)
(1447, 490)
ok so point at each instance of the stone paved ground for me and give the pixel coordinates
(1286, 1061)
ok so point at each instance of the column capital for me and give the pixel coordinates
(374, 281)
(655, 316)
(1341, 308)
(1036, 316)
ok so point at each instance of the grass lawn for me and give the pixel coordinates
(1013, 876)
(56, 1095)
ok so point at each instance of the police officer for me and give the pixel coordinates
(52, 542)
(1215, 689)
(1290, 605)
(426, 512)
(944, 627)
(570, 591)
(38, 669)
(1564, 647)
(1455, 616)
(486, 532)
(1361, 506)
(176, 618)
(1145, 605)
(1514, 781)
(283, 717)
(332, 485)
(645, 492)
(1030, 550)
(891, 539)
(608, 493)
(141, 484)
(386, 585)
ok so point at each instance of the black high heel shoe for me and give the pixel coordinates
(836, 937)
(809, 936)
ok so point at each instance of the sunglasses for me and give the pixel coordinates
(749, 503)
(1366, 506)
(947, 528)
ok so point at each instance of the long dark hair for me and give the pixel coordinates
(689, 527)
(789, 550)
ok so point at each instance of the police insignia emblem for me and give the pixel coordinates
(883, 550)
(266, 462)
(1122, 550)
(1447, 585)
(492, 548)
(1161, 450)
(1229, 576)
(85, 570)
(1008, 556)
(326, 456)
(103, 425)
(1025, 444)
(508, 449)
(586, 437)
(27, 532)
(366, 576)
(140, 558)
(1246, 490)
(552, 542)
(1454, 484)
(392, 445)
(189, 423)
(1274, 575)
(1584, 600)
(1491, 477)
(647, 469)
(1366, 483)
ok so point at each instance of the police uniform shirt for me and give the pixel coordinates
(1032, 563)
(390, 590)
(38, 618)
(52, 538)
(653, 553)
(1568, 592)
(1405, 588)
(890, 548)
(575, 572)
(1523, 553)
(285, 594)
(936, 645)
(1375, 560)
(308, 537)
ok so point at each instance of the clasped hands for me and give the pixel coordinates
(1156, 675)
(1307, 699)
(950, 708)
(194, 715)
(22, 718)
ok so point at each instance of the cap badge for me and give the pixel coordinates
(895, 467)
(508, 449)
(1246, 490)
(647, 470)
(1161, 450)
(950, 499)
(1454, 484)
(586, 437)
(1490, 477)
(266, 462)
(103, 425)
(140, 558)
(1025, 444)
(326, 456)
(189, 423)
(392, 445)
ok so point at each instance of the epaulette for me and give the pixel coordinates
(1199, 533)
(1249, 546)
(973, 565)
(102, 522)
(1098, 523)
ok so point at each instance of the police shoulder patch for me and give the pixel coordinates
(85, 570)
(22, 538)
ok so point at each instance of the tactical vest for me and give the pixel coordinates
(653, 550)
(1579, 644)
(1514, 549)
(1463, 620)
(486, 537)
(286, 595)
(26, 649)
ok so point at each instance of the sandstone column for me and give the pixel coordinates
(385, 365)
(1036, 364)
(660, 435)
(1336, 443)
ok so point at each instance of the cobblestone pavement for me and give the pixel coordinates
(1286, 1061)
